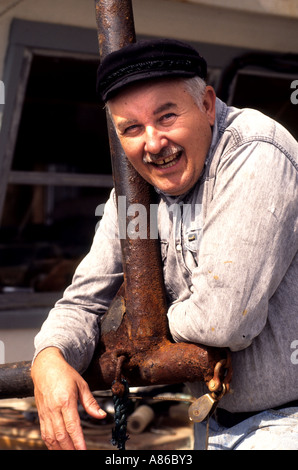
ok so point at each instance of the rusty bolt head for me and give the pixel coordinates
(118, 389)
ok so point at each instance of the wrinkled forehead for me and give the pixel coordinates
(152, 97)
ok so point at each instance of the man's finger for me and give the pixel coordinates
(48, 435)
(89, 403)
(70, 434)
(74, 434)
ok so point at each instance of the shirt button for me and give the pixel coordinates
(178, 247)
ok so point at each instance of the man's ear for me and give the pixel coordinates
(209, 104)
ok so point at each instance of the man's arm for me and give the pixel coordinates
(247, 246)
(73, 324)
(66, 342)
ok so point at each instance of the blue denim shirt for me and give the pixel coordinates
(229, 262)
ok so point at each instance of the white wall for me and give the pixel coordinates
(235, 22)
(17, 344)
(274, 7)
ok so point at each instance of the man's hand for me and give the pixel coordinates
(57, 389)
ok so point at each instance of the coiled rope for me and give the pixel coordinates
(120, 399)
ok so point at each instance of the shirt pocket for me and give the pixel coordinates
(193, 238)
(169, 269)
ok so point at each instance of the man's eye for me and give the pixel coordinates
(168, 117)
(131, 129)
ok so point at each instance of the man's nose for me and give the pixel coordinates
(154, 140)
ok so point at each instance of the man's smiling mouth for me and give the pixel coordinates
(164, 161)
(169, 161)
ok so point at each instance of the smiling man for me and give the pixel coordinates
(230, 270)
(164, 133)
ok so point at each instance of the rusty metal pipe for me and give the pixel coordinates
(144, 295)
(15, 380)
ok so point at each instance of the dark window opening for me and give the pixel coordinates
(62, 131)
(270, 93)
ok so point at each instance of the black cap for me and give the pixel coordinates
(146, 60)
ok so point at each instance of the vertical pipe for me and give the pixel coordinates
(144, 289)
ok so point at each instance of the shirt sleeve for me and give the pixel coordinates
(73, 324)
(249, 241)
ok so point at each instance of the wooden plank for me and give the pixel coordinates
(27, 300)
(19, 434)
(60, 179)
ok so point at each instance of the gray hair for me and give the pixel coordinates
(196, 87)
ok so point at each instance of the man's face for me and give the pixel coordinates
(164, 134)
